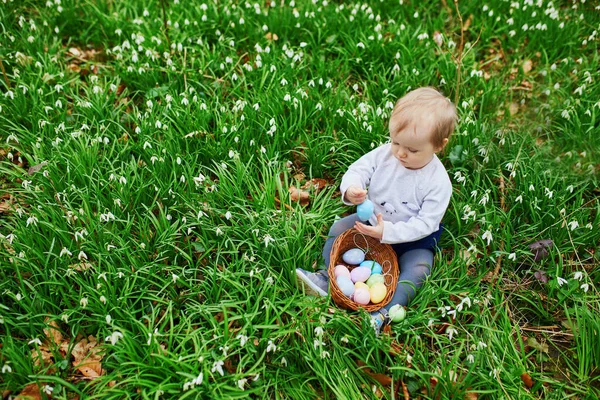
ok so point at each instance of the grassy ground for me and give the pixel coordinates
(148, 240)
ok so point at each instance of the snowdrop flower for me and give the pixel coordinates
(560, 281)
(573, 225)
(114, 337)
(243, 339)
(267, 239)
(578, 275)
(585, 287)
(451, 332)
(32, 220)
(512, 256)
(48, 390)
(218, 367)
(108, 319)
(471, 358)
(319, 331)
(6, 369)
(241, 383)
(65, 251)
(174, 277)
(82, 256)
(35, 341)
(481, 345)
(271, 347)
(102, 299)
(487, 235)
(83, 302)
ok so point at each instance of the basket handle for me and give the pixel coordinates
(364, 238)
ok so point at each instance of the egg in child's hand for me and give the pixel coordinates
(378, 292)
(354, 256)
(375, 278)
(360, 274)
(345, 285)
(374, 265)
(365, 209)
(362, 296)
(341, 270)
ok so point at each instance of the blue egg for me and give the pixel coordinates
(345, 285)
(364, 210)
(354, 256)
(374, 265)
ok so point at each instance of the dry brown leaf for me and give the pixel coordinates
(271, 36)
(513, 108)
(526, 378)
(299, 195)
(87, 359)
(5, 393)
(30, 392)
(42, 357)
(5, 207)
(315, 184)
(471, 396)
(527, 65)
(82, 266)
(52, 332)
(381, 378)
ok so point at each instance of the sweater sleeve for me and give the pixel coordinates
(426, 221)
(359, 173)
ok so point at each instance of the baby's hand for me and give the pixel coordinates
(356, 195)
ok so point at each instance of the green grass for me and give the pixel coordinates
(161, 223)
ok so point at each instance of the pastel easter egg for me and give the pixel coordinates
(375, 278)
(341, 270)
(397, 313)
(360, 274)
(345, 285)
(361, 296)
(378, 292)
(354, 256)
(374, 265)
(364, 210)
(360, 285)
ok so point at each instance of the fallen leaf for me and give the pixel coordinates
(315, 184)
(36, 168)
(271, 36)
(42, 357)
(86, 357)
(52, 332)
(513, 108)
(381, 378)
(30, 392)
(470, 396)
(527, 65)
(82, 266)
(527, 380)
(438, 38)
(5, 207)
(299, 195)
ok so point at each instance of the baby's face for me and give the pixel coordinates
(412, 146)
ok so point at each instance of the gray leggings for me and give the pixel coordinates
(415, 265)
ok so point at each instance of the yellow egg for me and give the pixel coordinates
(378, 292)
(361, 285)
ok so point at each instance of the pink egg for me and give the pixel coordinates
(360, 274)
(362, 296)
(341, 270)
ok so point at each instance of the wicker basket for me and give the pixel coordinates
(380, 252)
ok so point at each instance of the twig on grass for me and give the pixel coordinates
(166, 27)
(460, 52)
(4, 73)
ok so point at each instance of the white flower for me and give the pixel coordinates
(283, 361)
(32, 220)
(218, 367)
(578, 275)
(573, 225)
(271, 347)
(6, 369)
(114, 337)
(108, 319)
(35, 341)
(487, 235)
(585, 287)
(560, 281)
(267, 238)
(65, 251)
(471, 358)
(228, 215)
(102, 299)
(48, 389)
(512, 256)
(81, 256)
(451, 332)
(241, 383)
(83, 302)
(243, 339)
(481, 345)
(319, 331)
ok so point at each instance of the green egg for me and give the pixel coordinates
(375, 278)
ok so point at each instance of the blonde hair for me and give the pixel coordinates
(425, 105)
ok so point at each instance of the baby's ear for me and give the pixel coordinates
(444, 143)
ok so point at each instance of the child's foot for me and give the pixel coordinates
(313, 283)
(378, 320)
